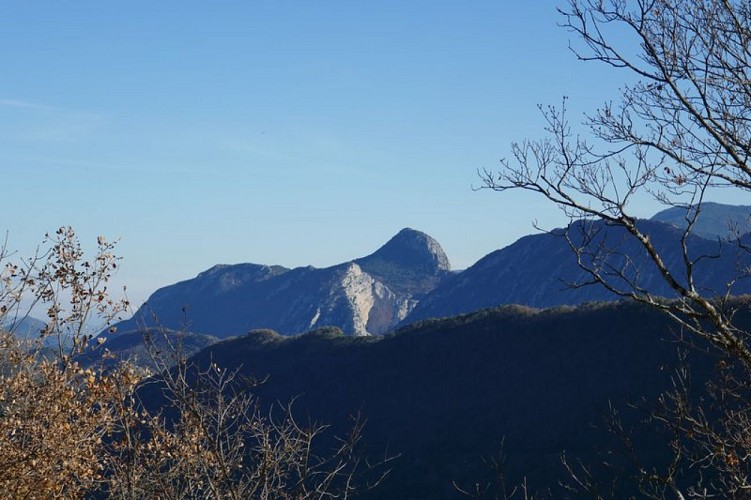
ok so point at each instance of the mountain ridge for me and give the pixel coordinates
(369, 295)
(715, 220)
(409, 278)
(411, 262)
(541, 270)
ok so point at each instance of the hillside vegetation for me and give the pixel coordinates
(442, 394)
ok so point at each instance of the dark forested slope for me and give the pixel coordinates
(443, 393)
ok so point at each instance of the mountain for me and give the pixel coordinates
(442, 394)
(539, 270)
(411, 263)
(715, 220)
(131, 346)
(27, 327)
(365, 296)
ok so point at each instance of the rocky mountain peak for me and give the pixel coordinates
(411, 249)
(361, 296)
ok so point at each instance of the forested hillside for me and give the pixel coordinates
(443, 394)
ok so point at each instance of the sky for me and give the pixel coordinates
(276, 132)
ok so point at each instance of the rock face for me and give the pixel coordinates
(411, 262)
(365, 296)
(360, 304)
(409, 279)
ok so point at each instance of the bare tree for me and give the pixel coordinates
(681, 131)
(54, 414)
(500, 488)
(214, 442)
(68, 431)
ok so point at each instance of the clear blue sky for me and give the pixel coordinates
(281, 132)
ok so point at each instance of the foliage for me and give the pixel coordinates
(52, 423)
(72, 432)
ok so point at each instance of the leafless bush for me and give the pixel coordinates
(71, 432)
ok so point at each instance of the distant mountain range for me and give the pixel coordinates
(26, 327)
(715, 220)
(443, 393)
(369, 295)
(29, 330)
(541, 270)
(409, 279)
